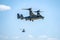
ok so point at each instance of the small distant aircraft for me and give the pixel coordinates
(23, 30)
(31, 16)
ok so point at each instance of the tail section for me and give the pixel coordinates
(19, 16)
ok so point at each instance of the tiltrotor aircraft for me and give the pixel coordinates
(31, 16)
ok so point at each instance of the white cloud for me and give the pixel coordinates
(45, 37)
(41, 37)
(15, 37)
(4, 7)
(30, 36)
(52, 39)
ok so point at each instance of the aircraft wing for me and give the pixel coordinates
(31, 14)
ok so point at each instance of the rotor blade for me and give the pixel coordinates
(38, 11)
(26, 8)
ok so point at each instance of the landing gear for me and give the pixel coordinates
(32, 20)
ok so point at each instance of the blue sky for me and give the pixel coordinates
(47, 29)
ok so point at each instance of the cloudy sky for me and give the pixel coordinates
(11, 27)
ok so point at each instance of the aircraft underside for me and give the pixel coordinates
(32, 18)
